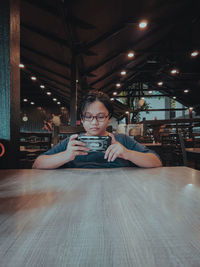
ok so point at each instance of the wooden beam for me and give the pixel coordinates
(125, 96)
(117, 29)
(39, 53)
(159, 109)
(72, 19)
(37, 65)
(45, 34)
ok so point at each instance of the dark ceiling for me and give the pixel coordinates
(88, 40)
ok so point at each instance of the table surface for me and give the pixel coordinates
(100, 217)
(193, 149)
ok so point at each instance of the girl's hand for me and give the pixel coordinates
(115, 150)
(75, 148)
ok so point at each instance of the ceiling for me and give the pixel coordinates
(87, 41)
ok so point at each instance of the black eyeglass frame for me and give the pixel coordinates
(96, 117)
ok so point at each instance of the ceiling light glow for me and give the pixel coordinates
(194, 53)
(174, 71)
(143, 24)
(160, 83)
(21, 65)
(131, 54)
(123, 72)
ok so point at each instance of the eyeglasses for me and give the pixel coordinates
(98, 117)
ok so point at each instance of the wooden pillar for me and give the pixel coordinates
(10, 77)
(128, 117)
(74, 92)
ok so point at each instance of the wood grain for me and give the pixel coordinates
(100, 217)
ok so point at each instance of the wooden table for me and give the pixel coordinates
(100, 217)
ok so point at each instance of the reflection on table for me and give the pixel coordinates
(100, 217)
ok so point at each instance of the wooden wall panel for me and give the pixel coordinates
(10, 77)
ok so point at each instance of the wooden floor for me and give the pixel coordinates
(102, 217)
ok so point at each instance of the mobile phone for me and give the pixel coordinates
(96, 143)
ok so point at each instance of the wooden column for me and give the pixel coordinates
(10, 77)
(74, 92)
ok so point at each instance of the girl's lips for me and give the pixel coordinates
(94, 129)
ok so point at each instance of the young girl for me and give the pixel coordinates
(96, 111)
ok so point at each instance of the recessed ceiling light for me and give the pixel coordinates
(33, 78)
(174, 71)
(123, 72)
(112, 99)
(48, 93)
(174, 97)
(118, 84)
(160, 83)
(32, 103)
(114, 93)
(131, 54)
(42, 86)
(25, 100)
(194, 53)
(186, 91)
(127, 112)
(21, 65)
(58, 103)
(54, 99)
(143, 24)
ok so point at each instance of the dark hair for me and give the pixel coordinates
(93, 96)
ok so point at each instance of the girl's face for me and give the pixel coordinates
(95, 126)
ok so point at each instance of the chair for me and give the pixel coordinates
(173, 150)
(196, 140)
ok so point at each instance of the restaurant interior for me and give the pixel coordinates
(145, 55)
(134, 51)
